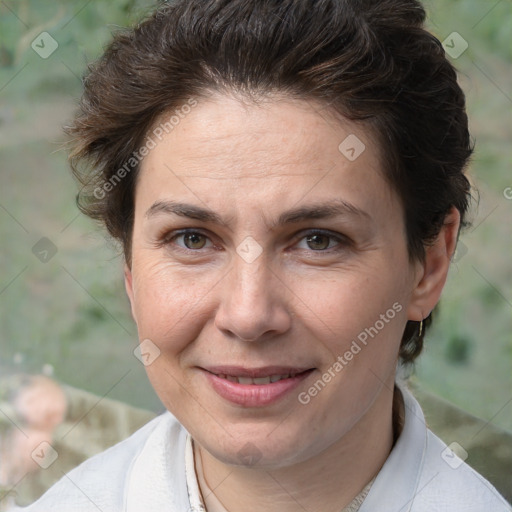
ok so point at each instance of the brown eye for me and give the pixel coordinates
(323, 242)
(186, 241)
(194, 240)
(318, 242)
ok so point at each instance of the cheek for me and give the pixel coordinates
(362, 317)
(169, 302)
(361, 322)
(350, 301)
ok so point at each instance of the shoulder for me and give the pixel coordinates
(422, 474)
(99, 483)
(448, 483)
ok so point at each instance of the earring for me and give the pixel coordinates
(421, 329)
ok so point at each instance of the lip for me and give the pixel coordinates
(254, 395)
(264, 371)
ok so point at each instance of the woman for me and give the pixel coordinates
(286, 180)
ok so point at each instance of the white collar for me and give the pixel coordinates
(405, 460)
(157, 475)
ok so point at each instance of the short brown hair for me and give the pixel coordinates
(368, 61)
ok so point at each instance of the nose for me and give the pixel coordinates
(253, 302)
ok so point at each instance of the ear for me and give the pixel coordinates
(128, 284)
(433, 272)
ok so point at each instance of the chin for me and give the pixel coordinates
(264, 448)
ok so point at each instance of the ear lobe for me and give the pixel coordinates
(128, 284)
(434, 270)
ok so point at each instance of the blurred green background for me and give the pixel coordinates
(69, 316)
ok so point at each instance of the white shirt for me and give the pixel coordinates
(153, 471)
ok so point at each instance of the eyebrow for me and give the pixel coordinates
(324, 210)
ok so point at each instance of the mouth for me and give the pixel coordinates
(255, 387)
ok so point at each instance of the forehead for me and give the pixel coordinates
(268, 152)
(229, 128)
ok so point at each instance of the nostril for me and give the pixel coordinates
(249, 340)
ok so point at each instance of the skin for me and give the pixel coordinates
(296, 304)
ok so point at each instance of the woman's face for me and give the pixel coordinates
(294, 268)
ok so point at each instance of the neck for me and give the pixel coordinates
(355, 459)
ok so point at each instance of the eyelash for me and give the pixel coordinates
(342, 240)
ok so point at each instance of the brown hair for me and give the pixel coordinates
(368, 61)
